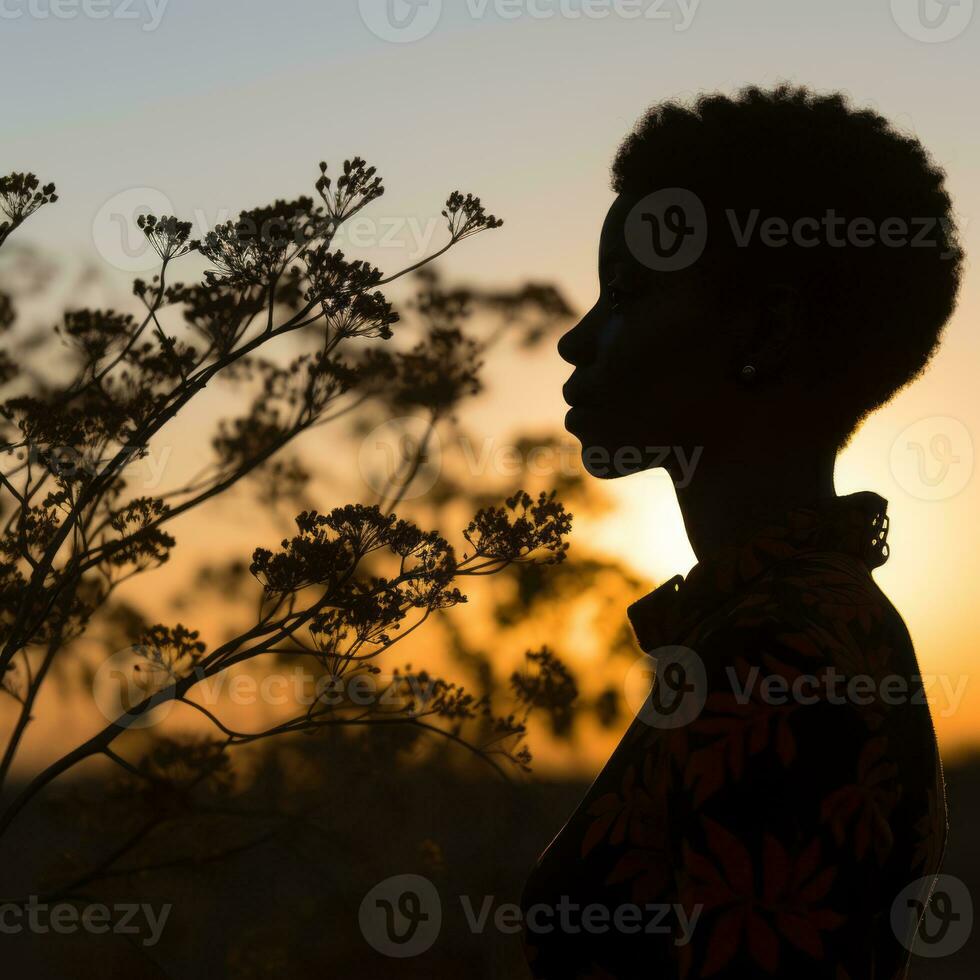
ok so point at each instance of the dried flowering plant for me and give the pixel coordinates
(349, 583)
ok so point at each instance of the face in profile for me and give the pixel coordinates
(653, 374)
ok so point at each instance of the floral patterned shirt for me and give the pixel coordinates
(778, 795)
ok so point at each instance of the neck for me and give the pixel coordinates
(732, 494)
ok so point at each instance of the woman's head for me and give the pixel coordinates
(779, 231)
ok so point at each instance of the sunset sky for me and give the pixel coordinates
(231, 103)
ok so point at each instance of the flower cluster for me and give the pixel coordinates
(141, 541)
(20, 196)
(521, 529)
(256, 249)
(95, 332)
(171, 649)
(356, 187)
(170, 237)
(467, 216)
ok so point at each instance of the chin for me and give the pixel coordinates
(609, 455)
(599, 464)
(610, 449)
(608, 459)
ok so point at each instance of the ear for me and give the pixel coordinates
(777, 333)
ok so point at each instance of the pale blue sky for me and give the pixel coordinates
(231, 103)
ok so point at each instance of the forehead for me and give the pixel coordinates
(617, 256)
(615, 253)
(612, 240)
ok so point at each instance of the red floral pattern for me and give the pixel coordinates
(776, 827)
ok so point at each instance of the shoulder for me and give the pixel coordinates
(789, 684)
(814, 609)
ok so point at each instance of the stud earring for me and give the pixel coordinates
(749, 373)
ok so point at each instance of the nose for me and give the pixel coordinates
(575, 346)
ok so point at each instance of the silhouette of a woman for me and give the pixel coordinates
(775, 266)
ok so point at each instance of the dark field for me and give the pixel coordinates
(288, 905)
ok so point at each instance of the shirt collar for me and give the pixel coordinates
(856, 525)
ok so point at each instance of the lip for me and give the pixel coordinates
(575, 417)
(572, 394)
